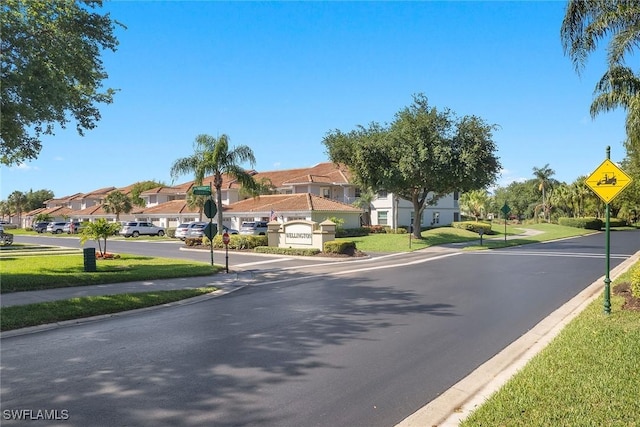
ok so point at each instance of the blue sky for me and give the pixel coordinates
(277, 76)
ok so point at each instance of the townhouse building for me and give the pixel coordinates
(313, 193)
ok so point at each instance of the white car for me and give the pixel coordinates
(254, 227)
(182, 231)
(198, 229)
(56, 227)
(140, 228)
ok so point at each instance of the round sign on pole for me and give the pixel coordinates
(225, 238)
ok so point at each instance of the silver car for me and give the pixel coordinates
(56, 227)
(141, 228)
(198, 230)
(183, 230)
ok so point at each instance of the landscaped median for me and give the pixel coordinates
(32, 268)
(22, 316)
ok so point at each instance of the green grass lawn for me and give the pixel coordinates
(442, 235)
(23, 316)
(587, 376)
(25, 273)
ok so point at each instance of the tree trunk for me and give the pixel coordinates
(417, 216)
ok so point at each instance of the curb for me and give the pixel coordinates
(224, 289)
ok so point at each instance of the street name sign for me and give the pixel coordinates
(202, 190)
(608, 180)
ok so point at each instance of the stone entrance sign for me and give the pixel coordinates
(301, 234)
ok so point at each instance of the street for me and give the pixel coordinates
(337, 344)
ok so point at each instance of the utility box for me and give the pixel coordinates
(89, 259)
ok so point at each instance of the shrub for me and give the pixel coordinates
(239, 241)
(376, 229)
(287, 251)
(343, 247)
(353, 232)
(474, 226)
(586, 223)
(617, 222)
(171, 232)
(399, 230)
(635, 281)
(193, 241)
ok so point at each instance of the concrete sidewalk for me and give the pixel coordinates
(221, 280)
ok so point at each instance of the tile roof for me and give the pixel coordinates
(290, 203)
(171, 208)
(162, 190)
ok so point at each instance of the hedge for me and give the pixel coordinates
(587, 223)
(342, 247)
(474, 226)
(287, 251)
(236, 241)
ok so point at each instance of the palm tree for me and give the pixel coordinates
(474, 202)
(586, 23)
(364, 202)
(17, 202)
(117, 202)
(543, 180)
(212, 156)
(194, 201)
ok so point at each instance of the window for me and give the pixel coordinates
(358, 192)
(326, 192)
(382, 194)
(436, 218)
(382, 217)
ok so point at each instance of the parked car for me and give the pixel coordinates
(141, 228)
(40, 227)
(198, 230)
(254, 227)
(182, 231)
(56, 227)
(77, 227)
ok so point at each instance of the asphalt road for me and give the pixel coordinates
(354, 345)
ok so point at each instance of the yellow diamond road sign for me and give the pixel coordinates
(608, 180)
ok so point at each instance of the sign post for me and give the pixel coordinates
(505, 210)
(607, 181)
(225, 240)
(210, 211)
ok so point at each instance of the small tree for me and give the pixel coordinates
(100, 229)
(43, 217)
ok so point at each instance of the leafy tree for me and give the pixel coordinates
(212, 156)
(51, 70)
(543, 182)
(475, 202)
(5, 208)
(43, 217)
(140, 187)
(117, 202)
(628, 201)
(100, 231)
(264, 186)
(36, 199)
(520, 196)
(586, 23)
(421, 156)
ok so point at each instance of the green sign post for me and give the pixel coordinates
(607, 181)
(505, 210)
